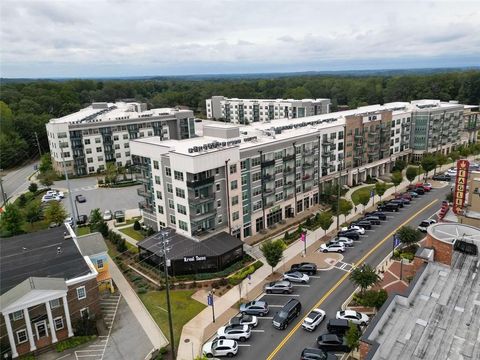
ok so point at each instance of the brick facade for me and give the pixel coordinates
(442, 250)
(363, 349)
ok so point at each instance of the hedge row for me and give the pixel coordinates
(242, 274)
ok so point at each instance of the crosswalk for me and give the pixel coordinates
(85, 188)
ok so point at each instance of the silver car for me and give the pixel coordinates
(279, 287)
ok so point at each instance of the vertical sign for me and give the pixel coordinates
(460, 185)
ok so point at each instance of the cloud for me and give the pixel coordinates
(82, 38)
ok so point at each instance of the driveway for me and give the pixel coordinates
(16, 181)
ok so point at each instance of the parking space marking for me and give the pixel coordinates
(265, 317)
(274, 306)
(282, 295)
(258, 331)
(244, 345)
(301, 285)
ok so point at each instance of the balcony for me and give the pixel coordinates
(288, 184)
(288, 170)
(202, 216)
(267, 163)
(307, 165)
(143, 193)
(267, 178)
(202, 199)
(200, 182)
(289, 196)
(358, 136)
(289, 157)
(307, 188)
(144, 206)
(306, 177)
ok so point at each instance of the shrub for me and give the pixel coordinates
(121, 246)
(237, 278)
(33, 187)
(136, 225)
(73, 342)
(22, 200)
(142, 291)
(371, 298)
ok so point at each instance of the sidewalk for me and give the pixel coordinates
(125, 236)
(141, 313)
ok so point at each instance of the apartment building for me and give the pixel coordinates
(86, 141)
(471, 123)
(46, 286)
(246, 111)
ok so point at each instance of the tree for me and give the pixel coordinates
(33, 187)
(399, 165)
(441, 160)
(33, 211)
(47, 178)
(111, 173)
(372, 298)
(454, 155)
(429, 162)
(411, 173)
(96, 219)
(11, 220)
(136, 225)
(325, 220)
(397, 179)
(364, 198)
(364, 276)
(380, 188)
(353, 336)
(45, 163)
(273, 251)
(55, 213)
(345, 207)
(408, 235)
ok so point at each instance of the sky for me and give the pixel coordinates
(85, 38)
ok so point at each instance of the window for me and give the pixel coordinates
(217, 186)
(243, 164)
(81, 293)
(160, 209)
(278, 183)
(84, 313)
(180, 192)
(246, 209)
(87, 141)
(22, 336)
(98, 140)
(168, 171)
(169, 188)
(125, 136)
(182, 225)
(159, 195)
(55, 303)
(117, 155)
(17, 315)
(173, 220)
(90, 160)
(219, 203)
(91, 169)
(234, 185)
(155, 164)
(235, 200)
(88, 151)
(256, 161)
(235, 216)
(217, 171)
(171, 204)
(117, 146)
(220, 219)
(157, 179)
(178, 175)
(126, 145)
(257, 191)
(182, 209)
(100, 263)
(233, 169)
(279, 197)
(256, 176)
(99, 149)
(58, 323)
(100, 158)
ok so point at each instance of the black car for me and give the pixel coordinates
(82, 219)
(374, 220)
(351, 234)
(389, 207)
(287, 313)
(80, 198)
(364, 224)
(305, 267)
(442, 177)
(419, 191)
(338, 326)
(382, 216)
(316, 354)
(398, 202)
(332, 342)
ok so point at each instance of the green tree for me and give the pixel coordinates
(372, 298)
(364, 276)
(33, 187)
(325, 219)
(441, 160)
(380, 188)
(353, 336)
(399, 165)
(96, 219)
(45, 163)
(11, 220)
(345, 207)
(429, 162)
(47, 178)
(396, 179)
(55, 212)
(273, 251)
(408, 235)
(111, 173)
(454, 155)
(411, 173)
(33, 211)
(364, 198)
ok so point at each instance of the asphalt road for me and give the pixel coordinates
(329, 289)
(16, 181)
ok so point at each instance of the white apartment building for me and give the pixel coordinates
(246, 111)
(101, 133)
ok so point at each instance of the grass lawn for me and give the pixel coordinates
(129, 221)
(132, 248)
(35, 226)
(184, 308)
(366, 189)
(137, 235)
(83, 230)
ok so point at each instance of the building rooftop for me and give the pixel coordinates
(44, 253)
(91, 244)
(449, 232)
(275, 100)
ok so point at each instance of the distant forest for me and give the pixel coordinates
(26, 107)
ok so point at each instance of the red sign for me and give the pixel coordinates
(460, 186)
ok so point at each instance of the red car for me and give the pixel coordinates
(407, 196)
(423, 186)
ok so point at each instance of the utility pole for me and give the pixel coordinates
(38, 144)
(4, 195)
(70, 195)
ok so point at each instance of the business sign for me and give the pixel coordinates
(187, 259)
(303, 236)
(460, 186)
(210, 299)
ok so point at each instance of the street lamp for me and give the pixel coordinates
(74, 213)
(211, 302)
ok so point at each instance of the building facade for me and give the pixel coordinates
(246, 111)
(86, 141)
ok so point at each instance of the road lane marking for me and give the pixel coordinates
(345, 277)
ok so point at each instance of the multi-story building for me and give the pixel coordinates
(46, 286)
(246, 111)
(86, 141)
(471, 125)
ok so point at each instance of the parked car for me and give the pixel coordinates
(69, 221)
(420, 190)
(382, 216)
(80, 198)
(374, 220)
(244, 319)
(296, 276)
(338, 326)
(399, 202)
(404, 201)
(442, 177)
(287, 313)
(332, 342)
(406, 195)
(82, 219)
(305, 267)
(313, 319)
(452, 172)
(107, 215)
(256, 307)
(279, 287)
(316, 354)
(358, 229)
(60, 194)
(389, 207)
(339, 248)
(48, 198)
(427, 186)
(356, 317)
(234, 332)
(425, 224)
(119, 216)
(219, 347)
(342, 240)
(414, 194)
(352, 234)
(363, 224)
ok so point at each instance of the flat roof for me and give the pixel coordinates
(181, 246)
(275, 100)
(439, 318)
(449, 232)
(37, 255)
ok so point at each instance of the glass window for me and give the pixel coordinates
(182, 225)
(157, 179)
(180, 192)
(233, 169)
(181, 209)
(155, 164)
(58, 323)
(22, 336)
(160, 209)
(235, 216)
(234, 185)
(54, 303)
(235, 200)
(159, 195)
(169, 188)
(81, 293)
(168, 171)
(171, 204)
(17, 315)
(173, 220)
(178, 175)
(100, 263)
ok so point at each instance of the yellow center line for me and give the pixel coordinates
(344, 277)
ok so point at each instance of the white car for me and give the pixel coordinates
(296, 276)
(234, 332)
(452, 172)
(339, 247)
(342, 239)
(313, 319)
(355, 317)
(220, 348)
(358, 229)
(48, 198)
(69, 221)
(425, 224)
(55, 193)
(107, 215)
(244, 319)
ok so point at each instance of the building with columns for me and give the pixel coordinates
(46, 286)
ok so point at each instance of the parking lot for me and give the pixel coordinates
(329, 289)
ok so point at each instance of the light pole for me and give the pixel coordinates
(4, 195)
(211, 302)
(74, 213)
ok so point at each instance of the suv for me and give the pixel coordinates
(425, 224)
(279, 287)
(351, 234)
(361, 223)
(234, 332)
(332, 342)
(441, 177)
(316, 354)
(256, 307)
(305, 267)
(338, 247)
(382, 216)
(82, 219)
(338, 326)
(392, 207)
(313, 319)
(398, 202)
(374, 220)
(288, 312)
(220, 348)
